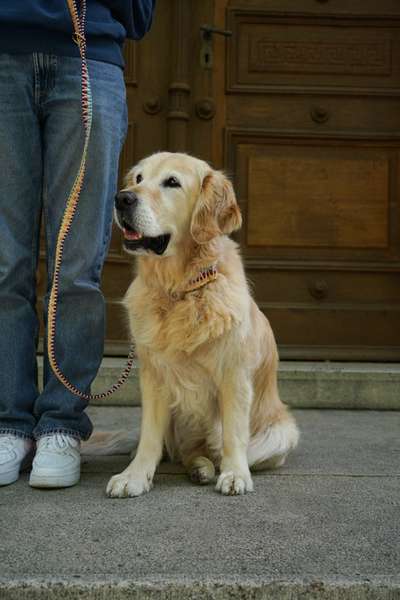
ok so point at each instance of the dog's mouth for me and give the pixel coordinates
(134, 240)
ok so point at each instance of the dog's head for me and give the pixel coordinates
(169, 197)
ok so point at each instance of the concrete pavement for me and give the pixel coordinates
(327, 525)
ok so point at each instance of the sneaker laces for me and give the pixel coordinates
(58, 441)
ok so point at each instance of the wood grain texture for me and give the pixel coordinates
(291, 50)
(318, 201)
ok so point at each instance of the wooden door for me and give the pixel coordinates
(301, 106)
(312, 136)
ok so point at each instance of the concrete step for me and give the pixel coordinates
(325, 526)
(302, 384)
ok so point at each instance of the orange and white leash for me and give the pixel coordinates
(78, 20)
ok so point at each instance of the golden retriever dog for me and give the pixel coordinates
(208, 358)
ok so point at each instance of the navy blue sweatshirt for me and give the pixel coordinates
(45, 26)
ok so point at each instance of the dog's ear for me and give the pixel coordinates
(216, 211)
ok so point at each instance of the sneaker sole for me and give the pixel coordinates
(53, 481)
(9, 476)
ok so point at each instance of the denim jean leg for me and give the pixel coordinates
(80, 323)
(20, 209)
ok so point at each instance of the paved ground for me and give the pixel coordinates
(325, 526)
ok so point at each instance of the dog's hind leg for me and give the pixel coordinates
(199, 468)
(193, 417)
(193, 453)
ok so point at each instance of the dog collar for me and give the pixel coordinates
(203, 278)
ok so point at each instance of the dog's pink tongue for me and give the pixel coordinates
(132, 235)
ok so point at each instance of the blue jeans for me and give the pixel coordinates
(41, 139)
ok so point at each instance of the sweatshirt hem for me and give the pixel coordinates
(26, 40)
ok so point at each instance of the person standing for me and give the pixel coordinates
(41, 142)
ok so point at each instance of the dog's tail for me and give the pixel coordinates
(269, 449)
(107, 443)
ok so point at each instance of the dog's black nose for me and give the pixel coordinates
(125, 199)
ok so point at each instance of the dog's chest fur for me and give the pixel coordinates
(178, 329)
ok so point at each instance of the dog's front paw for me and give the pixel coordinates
(127, 484)
(231, 483)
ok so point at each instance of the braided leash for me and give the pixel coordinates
(78, 21)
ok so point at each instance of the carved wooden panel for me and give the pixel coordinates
(302, 56)
(332, 314)
(322, 8)
(336, 287)
(357, 332)
(291, 51)
(314, 199)
(317, 113)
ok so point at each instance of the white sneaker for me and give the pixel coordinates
(15, 455)
(57, 462)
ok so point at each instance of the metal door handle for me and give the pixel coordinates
(206, 52)
(208, 30)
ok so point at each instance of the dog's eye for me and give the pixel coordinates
(171, 182)
(139, 178)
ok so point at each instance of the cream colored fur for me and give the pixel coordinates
(208, 358)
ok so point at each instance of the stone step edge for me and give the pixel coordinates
(182, 588)
(374, 386)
